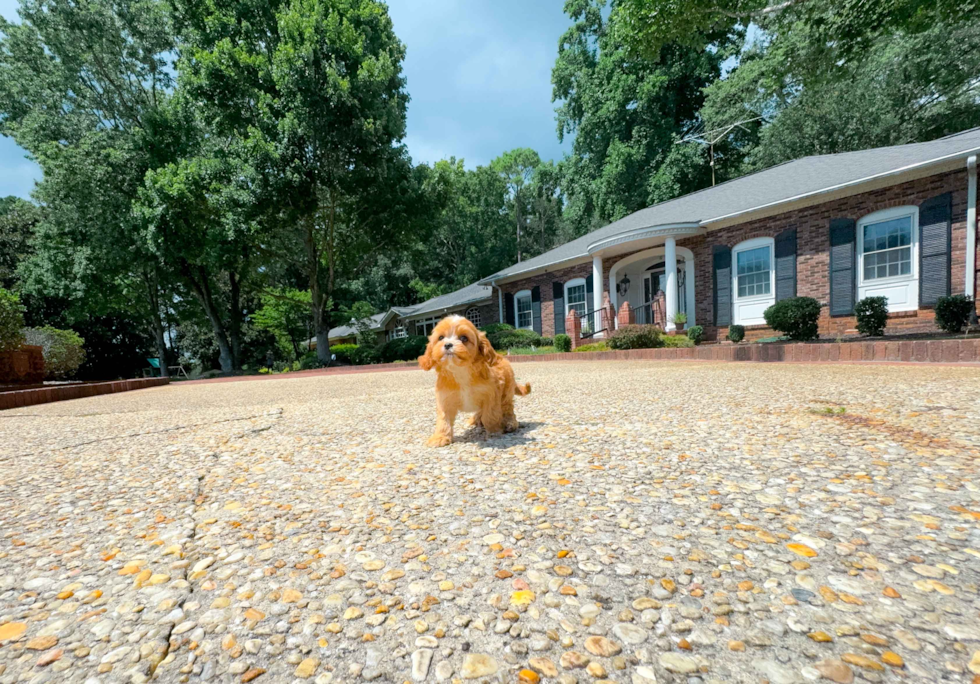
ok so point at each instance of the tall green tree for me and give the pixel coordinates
(517, 168)
(18, 219)
(626, 113)
(314, 89)
(286, 314)
(81, 85)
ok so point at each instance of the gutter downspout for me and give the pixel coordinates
(971, 228)
(500, 301)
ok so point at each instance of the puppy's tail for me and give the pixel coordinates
(522, 390)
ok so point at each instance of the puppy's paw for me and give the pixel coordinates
(439, 441)
(511, 425)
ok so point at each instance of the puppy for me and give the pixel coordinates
(472, 378)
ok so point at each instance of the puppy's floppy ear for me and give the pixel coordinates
(425, 361)
(486, 349)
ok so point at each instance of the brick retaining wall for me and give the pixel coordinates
(910, 351)
(44, 395)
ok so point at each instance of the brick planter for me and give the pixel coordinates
(24, 366)
(44, 395)
(890, 351)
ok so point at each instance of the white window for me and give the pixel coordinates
(887, 256)
(522, 307)
(473, 316)
(575, 297)
(425, 326)
(753, 280)
(398, 333)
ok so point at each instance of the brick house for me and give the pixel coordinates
(898, 222)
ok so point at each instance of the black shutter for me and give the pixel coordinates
(842, 267)
(536, 309)
(588, 293)
(786, 264)
(935, 239)
(558, 297)
(509, 308)
(722, 299)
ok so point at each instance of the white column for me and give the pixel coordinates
(670, 267)
(971, 226)
(597, 287)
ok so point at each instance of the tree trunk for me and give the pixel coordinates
(322, 328)
(156, 322)
(235, 321)
(202, 291)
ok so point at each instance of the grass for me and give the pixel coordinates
(677, 341)
(594, 347)
(530, 351)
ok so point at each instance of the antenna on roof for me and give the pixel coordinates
(709, 138)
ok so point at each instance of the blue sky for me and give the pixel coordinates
(479, 75)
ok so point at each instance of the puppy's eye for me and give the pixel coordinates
(464, 339)
(442, 337)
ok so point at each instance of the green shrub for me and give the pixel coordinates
(403, 349)
(677, 341)
(365, 355)
(505, 339)
(343, 352)
(695, 333)
(953, 313)
(11, 321)
(796, 317)
(496, 327)
(872, 315)
(546, 342)
(563, 343)
(63, 350)
(736, 333)
(594, 347)
(309, 361)
(636, 337)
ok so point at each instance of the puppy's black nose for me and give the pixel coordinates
(448, 345)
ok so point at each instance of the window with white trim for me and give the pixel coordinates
(398, 333)
(575, 297)
(522, 310)
(754, 280)
(425, 326)
(887, 255)
(473, 316)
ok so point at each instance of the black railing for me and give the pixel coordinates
(643, 314)
(592, 324)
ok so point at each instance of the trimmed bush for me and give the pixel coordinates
(63, 350)
(736, 333)
(309, 361)
(403, 349)
(343, 352)
(546, 342)
(953, 313)
(365, 355)
(594, 347)
(11, 321)
(677, 341)
(872, 316)
(636, 337)
(496, 327)
(563, 343)
(795, 317)
(505, 339)
(695, 333)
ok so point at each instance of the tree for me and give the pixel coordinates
(627, 112)
(81, 85)
(314, 89)
(517, 168)
(18, 219)
(286, 314)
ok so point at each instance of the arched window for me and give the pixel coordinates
(753, 280)
(888, 247)
(473, 315)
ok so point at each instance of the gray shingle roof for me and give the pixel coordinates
(348, 330)
(782, 183)
(471, 294)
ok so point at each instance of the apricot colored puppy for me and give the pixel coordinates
(472, 378)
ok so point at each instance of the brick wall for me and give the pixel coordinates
(813, 258)
(488, 314)
(544, 281)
